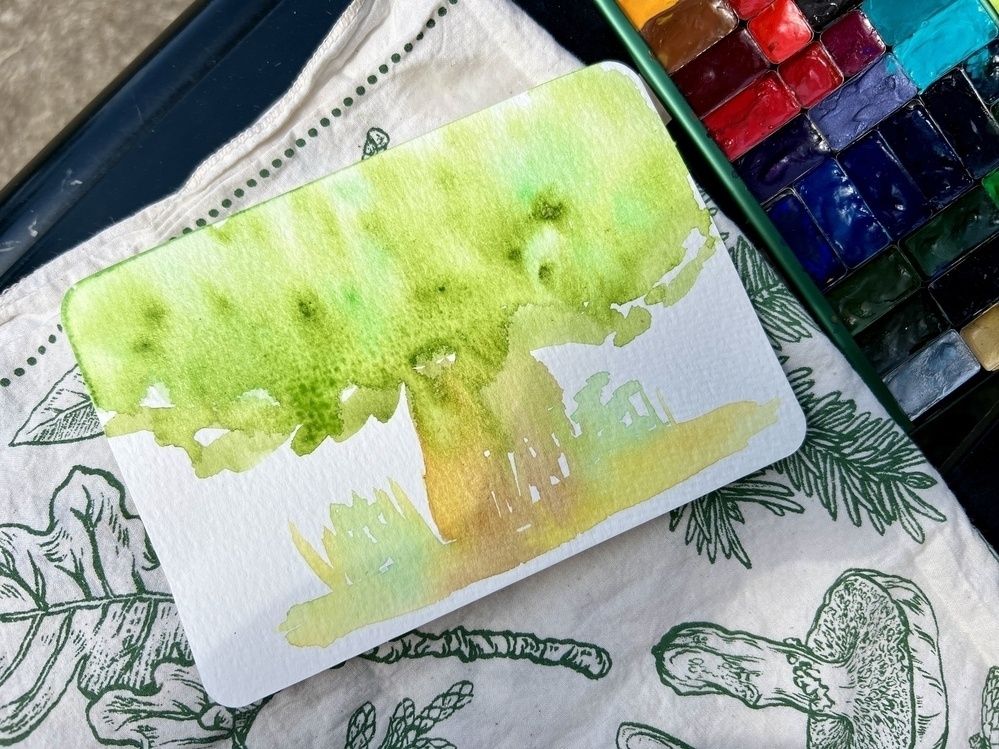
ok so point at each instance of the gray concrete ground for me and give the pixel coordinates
(57, 55)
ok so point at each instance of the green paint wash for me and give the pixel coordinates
(395, 565)
(355, 542)
(436, 267)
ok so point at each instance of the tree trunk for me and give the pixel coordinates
(494, 455)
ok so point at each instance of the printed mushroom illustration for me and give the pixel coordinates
(867, 675)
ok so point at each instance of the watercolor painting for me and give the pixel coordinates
(459, 299)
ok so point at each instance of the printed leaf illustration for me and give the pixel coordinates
(641, 736)
(175, 712)
(408, 729)
(711, 520)
(868, 673)
(79, 599)
(989, 737)
(376, 142)
(859, 461)
(591, 661)
(783, 318)
(64, 415)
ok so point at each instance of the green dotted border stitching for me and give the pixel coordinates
(31, 361)
(325, 122)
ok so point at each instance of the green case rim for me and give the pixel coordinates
(752, 213)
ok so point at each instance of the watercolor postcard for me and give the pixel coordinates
(359, 406)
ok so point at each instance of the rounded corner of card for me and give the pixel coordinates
(794, 428)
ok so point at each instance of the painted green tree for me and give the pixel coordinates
(427, 274)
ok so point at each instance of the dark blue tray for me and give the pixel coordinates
(204, 81)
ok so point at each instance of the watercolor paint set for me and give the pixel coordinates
(860, 137)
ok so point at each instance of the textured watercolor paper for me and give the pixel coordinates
(368, 402)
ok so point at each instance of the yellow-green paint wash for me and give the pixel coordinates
(403, 568)
(434, 269)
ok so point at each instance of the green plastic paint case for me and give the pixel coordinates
(748, 213)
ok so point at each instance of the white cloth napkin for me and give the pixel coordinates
(839, 599)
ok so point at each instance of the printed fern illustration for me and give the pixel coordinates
(82, 600)
(783, 318)
(591, 661)
(858, 461)
(711, 520)
(66, 414)
(989, 737)
(408, 729)
(867, 674)
(849, 461)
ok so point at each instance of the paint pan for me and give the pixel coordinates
(866, 151)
